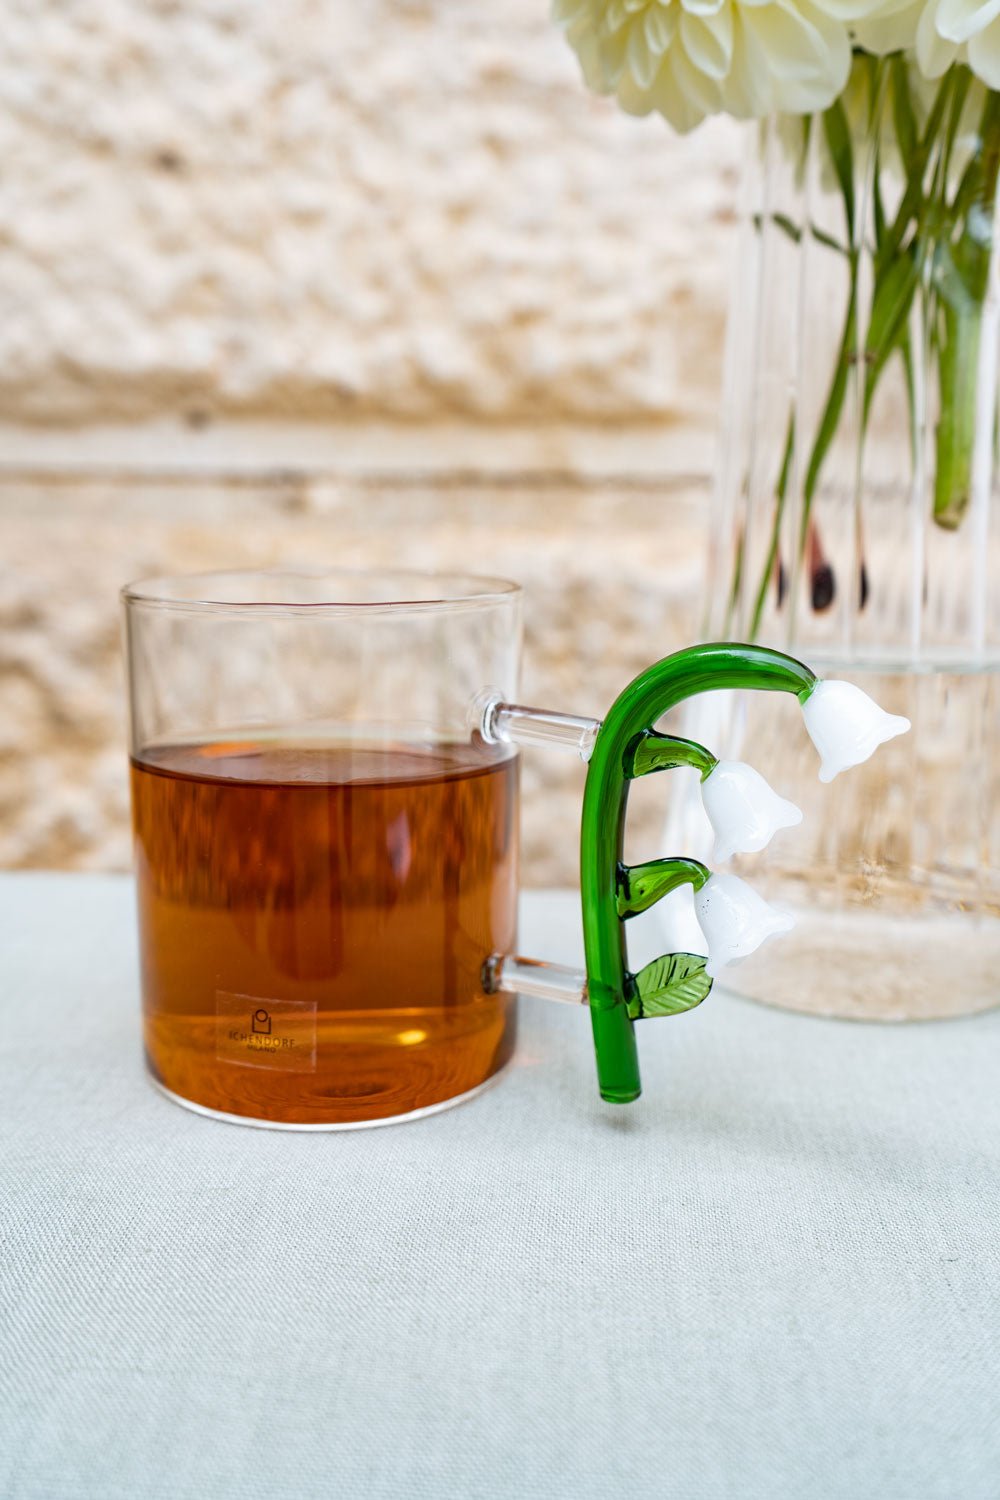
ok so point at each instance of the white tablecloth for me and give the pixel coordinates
(777, 1275)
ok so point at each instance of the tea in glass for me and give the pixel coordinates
(318, 899)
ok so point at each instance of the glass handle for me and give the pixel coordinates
(628, 747)
(843, 723)
(505, 974)
(502, 723)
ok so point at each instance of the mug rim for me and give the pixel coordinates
(391, 590)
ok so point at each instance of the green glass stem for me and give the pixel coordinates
(617, 749)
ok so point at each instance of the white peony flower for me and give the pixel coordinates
(937, 32)
(886, 25)
(751, 58)
(743, 810)
(692, 58)
(735, 920)
(847, 726)
(960, 31)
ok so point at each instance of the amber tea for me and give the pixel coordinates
(314, 920)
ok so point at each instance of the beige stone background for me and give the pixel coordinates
(338, 283)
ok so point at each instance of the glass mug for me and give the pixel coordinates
(324, 777)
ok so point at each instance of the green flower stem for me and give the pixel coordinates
(781, 492)
(698, 669)
(961, 276)
(936, 247)
(958, 364)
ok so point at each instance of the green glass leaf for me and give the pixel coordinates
(669, 986)
(652, 751)
(641, 886)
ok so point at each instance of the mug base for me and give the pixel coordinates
(260, 1124)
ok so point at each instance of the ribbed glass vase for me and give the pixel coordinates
(857, 525)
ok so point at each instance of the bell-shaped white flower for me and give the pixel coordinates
(847, 726)
(743, 810)
(735, 920)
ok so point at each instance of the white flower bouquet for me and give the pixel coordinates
(750, 58)
(901, 98)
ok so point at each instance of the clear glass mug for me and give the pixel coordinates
(326, 851)
(325, 811)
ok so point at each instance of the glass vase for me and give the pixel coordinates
(856, 525)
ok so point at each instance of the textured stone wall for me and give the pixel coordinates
(328, 207)
(337, 282)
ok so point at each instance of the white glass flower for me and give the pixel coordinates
(847, 726)
(735, 920)
(692, 58)
(743, 810)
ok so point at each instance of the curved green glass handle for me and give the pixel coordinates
(627, 746)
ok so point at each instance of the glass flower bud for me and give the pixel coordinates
(744, 811)
(847, 726)
(735, 920)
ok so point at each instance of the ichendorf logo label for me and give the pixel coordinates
(257, 1032)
